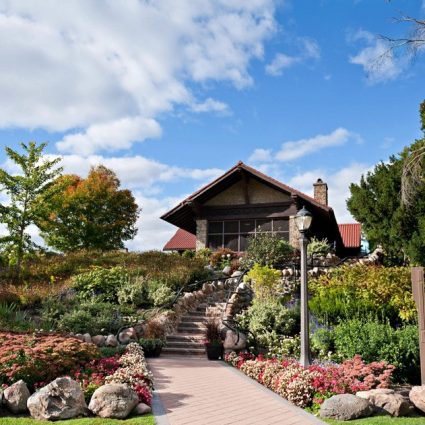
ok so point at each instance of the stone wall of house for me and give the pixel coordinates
(294, 233)
(201, 234)
(258, 194)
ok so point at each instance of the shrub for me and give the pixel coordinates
(41, 358)
(350, 291)
(318, 247)
(155, 330)
(14, 319)
(133, 291)
(268, 320)
(162, 296)
(286, 347)
(267, 249)
(222, 258)
(101, 283)
(188, 253)
(376, 341)
(264, 281)
(94, 318)
(212, 331)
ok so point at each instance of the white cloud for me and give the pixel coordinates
(377, 59)
(86, 66)
(338, 186)
(292, 150)
(309, 49)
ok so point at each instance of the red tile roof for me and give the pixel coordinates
(351, 234)
(180, 241)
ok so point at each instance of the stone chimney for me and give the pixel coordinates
(321, 192)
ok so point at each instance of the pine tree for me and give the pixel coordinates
(25, 189)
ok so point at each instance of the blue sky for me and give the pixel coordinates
(170, 97)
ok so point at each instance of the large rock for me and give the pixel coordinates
(142, 409)
(113, 401)
(386, 400)
(417, 397)
(345, 407)
(111, 341)
(16, 396)
(127, 335)
(99, 340)
(61, 399)
(87, 338)
(234, 341)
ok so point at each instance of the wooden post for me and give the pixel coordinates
(419, 297)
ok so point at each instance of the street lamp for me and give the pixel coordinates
(303, 221)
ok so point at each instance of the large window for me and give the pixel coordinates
(233, 234)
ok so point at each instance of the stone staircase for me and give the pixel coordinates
(188, 339)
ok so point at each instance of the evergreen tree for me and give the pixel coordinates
(25, 189)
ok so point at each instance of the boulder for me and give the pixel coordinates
(142, 409)
(87, 338)
(386, 400)
(234, 341)
(113, 401)
(16, 396)
(345, 407)
(127, 335)
(79, 336)
(227, 270)
(61, 399)
(111, 341)
(99, 340)
(417, 397)
(237, 273)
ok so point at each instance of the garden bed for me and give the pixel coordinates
(145, 420)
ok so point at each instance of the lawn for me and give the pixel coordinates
(380, 420)
(140, 420)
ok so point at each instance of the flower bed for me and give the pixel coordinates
(39, 358)
(309, 387)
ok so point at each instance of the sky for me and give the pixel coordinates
(172, 94)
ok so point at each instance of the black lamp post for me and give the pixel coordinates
(303, 221)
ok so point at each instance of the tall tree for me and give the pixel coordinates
(92, 213)
(25, 188)
(391, 211)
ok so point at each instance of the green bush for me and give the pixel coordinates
(101, 283)
(348, 291)
(14, 319)
(95, 318)
(162, 296)
(318, 247)
(268, 320)
(376, 341)
(267, 249)
(133, 291)
(264, 281)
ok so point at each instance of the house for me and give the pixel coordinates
(243, 202)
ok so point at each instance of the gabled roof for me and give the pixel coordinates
(181, 240)
(351, 234)
(181, 215)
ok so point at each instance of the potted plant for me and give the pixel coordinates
(152, 346)
(213, 340)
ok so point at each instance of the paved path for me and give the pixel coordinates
(195, 391)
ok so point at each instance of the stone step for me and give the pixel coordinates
(187, 330)
(183, 351)
(185, 337)
(193, 319)
(185, 344)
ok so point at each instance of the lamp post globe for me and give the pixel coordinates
(303, 221)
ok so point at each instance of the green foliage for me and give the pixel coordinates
(267, 249)
(101, 283)
(285, 347)
(94, 318)
(376, 203)
(351, 291)
(91, 213)
(323, 342)
(268, 320)
(162, 296)
(13, 319)
(133, 291)
(112, 351)
(264, 281)
(318, 246)
(25, 189)
(151, 344)
(189, 253)
(376, 341)
(203, 254)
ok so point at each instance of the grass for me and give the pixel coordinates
(140, 420)
(380, 420)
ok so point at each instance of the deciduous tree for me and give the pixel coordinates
(92, 213)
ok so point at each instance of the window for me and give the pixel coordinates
(234, 234)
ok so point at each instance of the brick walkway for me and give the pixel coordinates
(195, 391)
